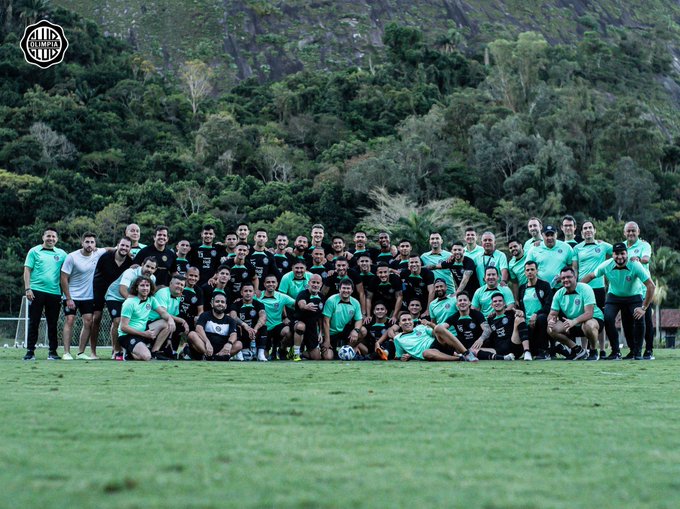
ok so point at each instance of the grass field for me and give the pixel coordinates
(362, 434)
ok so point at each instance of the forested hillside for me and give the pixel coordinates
(453, 133)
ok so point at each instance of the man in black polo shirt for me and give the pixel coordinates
(418, 282)
(165, 258)
(308, 319)
(386, 288)
(215, 335)
(206, 256)
(468, 324)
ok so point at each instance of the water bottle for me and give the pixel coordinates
(253, 348)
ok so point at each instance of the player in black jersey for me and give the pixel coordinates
(230, 242)
(400, 262)
(282, 254)
(301, 250)
(182, 249)
(509, 337)
(462, 268)
(207, 255)
(165, 258)
(242, 271)
(319, 265)
(341, 272)
(219, 283)
(338, 250)
(387, 250)
(378, 339)
(468, 323)
(262, 259)
(215, 336)
(308, 317)
(366, 269)
(250, 316)
(360, 247)
(418, 283)
(386, 287)
(190, 306)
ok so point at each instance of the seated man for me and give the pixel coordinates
(378, 339)
(307, 326)
(167, 298)
(423, 343)
(278, 324)
(506, 338)
(133, 334)
(215, 335)
(481, 300)
(342, 321)
(250, 316)
(468, 324)
(573, 314)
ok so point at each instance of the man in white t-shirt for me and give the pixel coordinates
(77, 275)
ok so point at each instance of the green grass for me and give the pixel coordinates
(492, 435)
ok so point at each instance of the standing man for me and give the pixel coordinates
(386, 288)
(551, 257)
(42, 270)
(165, 258)
(190, 306)
(243, 232)
(281, 253)
(516, 263)
(400, 262)
(640, 250)
(360, 247)
(261, 259)
(418, 283)
(435, 257)
(278, 324)
(182, 250)
(569, 230)
(387, 250)
(134, 233)
(625, 278)
(77, 276)
(206, 256)
(463, 269)
(242, 271)
(110, 267)
(492, 257)
(535, 238)
(472, 250)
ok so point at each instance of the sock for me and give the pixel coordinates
(296, 349)
(485, 356)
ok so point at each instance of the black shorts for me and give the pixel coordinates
(311, 336)
(218, 343)
(342, 338)
(129, 342)
(600, 297)
(577, 332)
(506, 347)
(276, 331)
(114, 307)
(86, 307)
(447, 349)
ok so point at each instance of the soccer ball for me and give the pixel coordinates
(346, 353)
(248, 355)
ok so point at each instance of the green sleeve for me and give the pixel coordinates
(30, 259)
(357, 310)
(288, 301)
(570, 255)
(601, 269)
(641, 272)
(509, 297)
(329, 308)
(475, 298)
(127, 309)
(588, 296)
(555, 306)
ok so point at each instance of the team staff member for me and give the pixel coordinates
(533, 301)
(77, 275)
(624, 277)
(551, 256)
(167, 299)
(42, 270)
(165, 258)
(481, 300)
(434, 257)
(342, 319)
(278, 324)
(308, 314)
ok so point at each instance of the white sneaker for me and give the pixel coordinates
(262, 357)
(238, 357)
(527, 356)
(84, 357)
(67, 357)
(509, 357)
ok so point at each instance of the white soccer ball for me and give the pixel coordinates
(347, 353)
(248, 354)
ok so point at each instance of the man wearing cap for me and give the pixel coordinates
(641, 251)
(551, 256)
(626, 279)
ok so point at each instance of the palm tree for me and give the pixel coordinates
(664, 266)
(31, 10)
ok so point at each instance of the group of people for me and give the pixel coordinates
(243, 299)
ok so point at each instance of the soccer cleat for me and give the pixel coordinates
(82, 356)
(296, 357)
(219, 358)
(470, 357)
(262, 357)
(593, 356)
(53, 356)
(630, 355)
(648, 355)
(638, 358)
(118, 356)
(160, 356)
(579, 354)
(562, 350)
(542, 356)
(527, 356)
(509, 357)
(603, 354)
(614, 356)
(30, 356)
(382, 354)
(237, 357)
(290, 354)
(67, 357)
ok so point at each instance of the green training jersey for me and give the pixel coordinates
(164, 298)
(341, 313)
(441, 309)
(45, 265)
(641, 249)
(589, 257)
(625, 281)
(531, 302)
(529, 244)
(573, 305)
(495, 259)
(482, 298)
(516, 269)
(274, 307)
(137, 311)
(291, 286)
(551, 261)
(434, 259)
(414, 343)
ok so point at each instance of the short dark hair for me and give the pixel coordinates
(531, 262)
(50, 229)
(497, 294)
(243, 224)
(150, 259)
(208, 227)
(346, 282)
(261, 230)
(88, 234)
(248, 283)
(243, 244)
(125, 237)
(222, 267)
(340, 259)
(160, 228)
(514, 239)
(566, 268)
(569, 218)
(458, 243)
(464, 294)
(281, 234)
(178, 277)
(402, 241)
(470, 229)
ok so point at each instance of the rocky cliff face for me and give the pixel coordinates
(270, 38)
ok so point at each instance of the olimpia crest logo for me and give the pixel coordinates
(44, 44)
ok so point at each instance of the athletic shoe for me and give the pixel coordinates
(593, 356)
(237, 357)
(118, 356)
(220, 358)
(30, 356)
(262, 358)
(93, 357)
(630, 355)
(638, 358)
(648, 356)
(82, 356)
(603, 354)
(542, 356)
(296, 357)
(563, 350)
(160, 356)
(509, 357)
(67, 357)
(614, 356)
(381, 354)
(53, 356)
(290, 354)
(582, 353)
(470, 357)
(527, 356)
